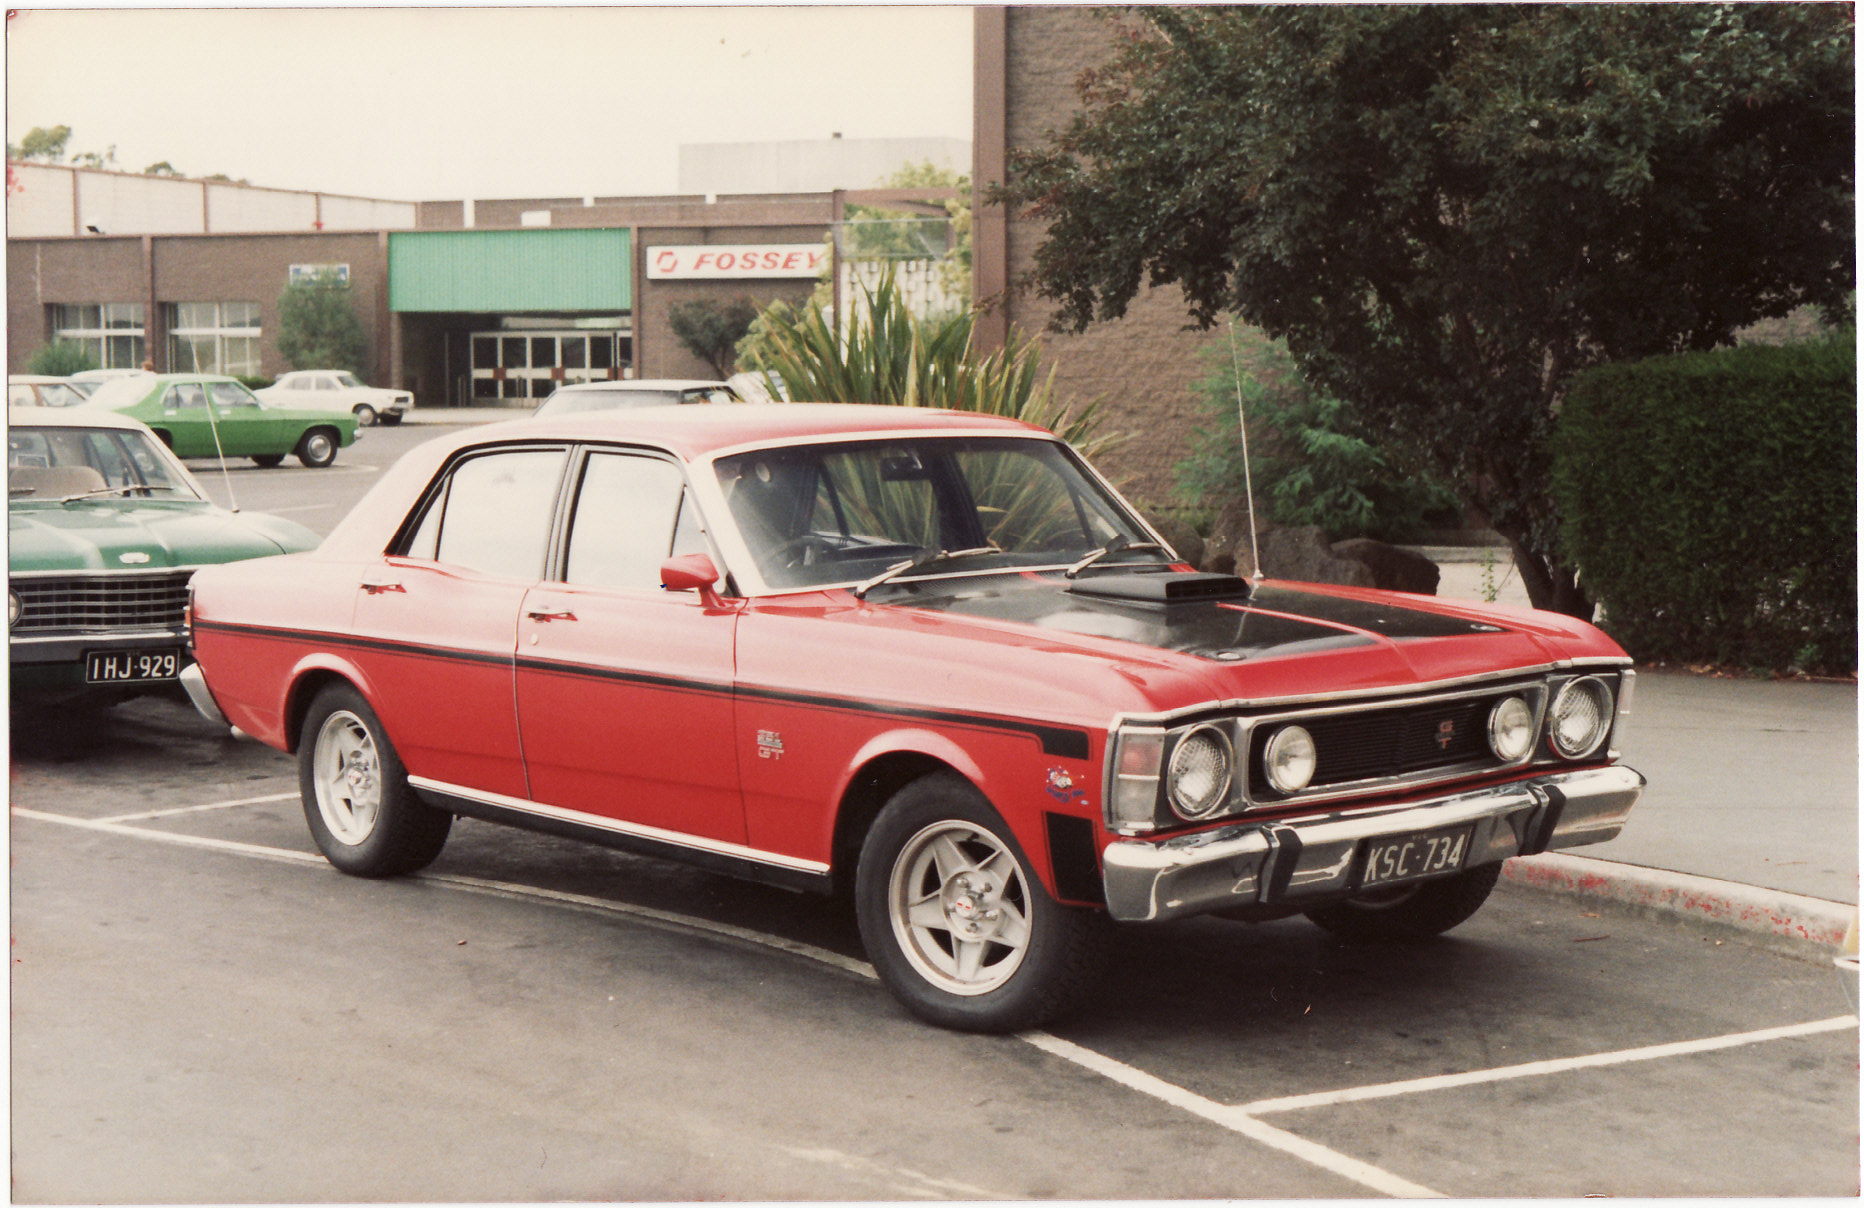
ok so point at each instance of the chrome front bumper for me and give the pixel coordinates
(1289, 862)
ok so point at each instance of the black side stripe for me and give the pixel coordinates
(1062, 741)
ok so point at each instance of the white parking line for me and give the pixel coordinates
(1234, 1119)
(1532, 1069)
(196, 809)
(1240, 1119)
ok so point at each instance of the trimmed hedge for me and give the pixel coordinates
(1710, 502)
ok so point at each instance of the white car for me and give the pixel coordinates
(35, 390)
(635, 392)
(336, 390)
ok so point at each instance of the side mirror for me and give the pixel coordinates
(691, 572)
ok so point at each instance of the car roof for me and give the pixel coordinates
(70, 417)
(698, 431)
(641, 384)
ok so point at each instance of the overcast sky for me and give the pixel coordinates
(440, 103)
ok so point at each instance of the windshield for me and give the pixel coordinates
(56, 463)
(348, 379)
(840, 513)
(120, 392)
(565, 402)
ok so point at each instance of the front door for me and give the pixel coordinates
(624, 688)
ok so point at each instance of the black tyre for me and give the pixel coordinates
(1411, 911)
(318, 448)
(389, 421)
(362, 814)
(958, 927)
(268, 460)
(365, 415)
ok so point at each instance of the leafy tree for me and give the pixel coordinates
(1447, 210)
(318, 327)
(160, 168)
(1313, 461)
(41, 144)
(711, 330)
(875, 232)
(60, 358)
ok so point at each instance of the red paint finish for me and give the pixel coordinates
(748, 721)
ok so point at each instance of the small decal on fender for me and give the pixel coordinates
(769, 744)
(1061, 786)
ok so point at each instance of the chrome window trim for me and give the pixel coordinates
(617, 826)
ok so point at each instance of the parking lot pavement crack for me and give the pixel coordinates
(1237, 1120)
(1533, 1069)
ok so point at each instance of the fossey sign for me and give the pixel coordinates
(735, 260)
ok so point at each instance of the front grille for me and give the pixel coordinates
(127, 600)
(1382, 744)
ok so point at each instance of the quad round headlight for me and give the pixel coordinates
(1289, 759)
(1200, 773)
(14, 607)
(1582, 717)
(1511, 729)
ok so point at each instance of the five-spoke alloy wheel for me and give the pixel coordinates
(957, 924)
(362, 814)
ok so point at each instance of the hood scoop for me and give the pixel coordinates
(1191, 588)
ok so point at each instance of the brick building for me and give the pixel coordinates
(473, 301)
(1145, 367)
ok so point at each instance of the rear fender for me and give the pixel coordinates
(307, 679)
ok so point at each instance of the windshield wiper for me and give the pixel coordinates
(1118, 545)
(126, 489)
(860, 590)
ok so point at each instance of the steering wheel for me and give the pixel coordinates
(804, 550)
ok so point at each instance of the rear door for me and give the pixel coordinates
(437, 622)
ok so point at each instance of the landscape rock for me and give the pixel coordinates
(1181, 537)
(1393, 569)
(1304, 555)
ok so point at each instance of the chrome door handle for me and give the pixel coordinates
(551, 613)
(376, 587)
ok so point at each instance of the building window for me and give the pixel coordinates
(111, 332)
(213, 337)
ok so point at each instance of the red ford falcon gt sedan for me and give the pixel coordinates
(929, 656)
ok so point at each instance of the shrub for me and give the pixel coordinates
(710, 330)
(60, 358)
(1313, 461)
(888, 355)
(318, 327)
(1710, 502)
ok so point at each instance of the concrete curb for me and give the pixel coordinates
(1768, 918)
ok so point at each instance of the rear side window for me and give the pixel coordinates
(493, 514)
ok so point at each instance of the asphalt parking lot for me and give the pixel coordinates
(203, 1011)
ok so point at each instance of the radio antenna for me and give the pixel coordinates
(1242, 426)
(207, 400)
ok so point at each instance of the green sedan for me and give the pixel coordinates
(205, 415)
(104, 529)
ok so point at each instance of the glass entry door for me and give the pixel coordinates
(532, 364)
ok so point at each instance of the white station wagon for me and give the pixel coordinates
(336, 390)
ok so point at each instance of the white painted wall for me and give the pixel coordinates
(41, 199)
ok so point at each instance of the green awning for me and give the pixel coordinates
(497, 271)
